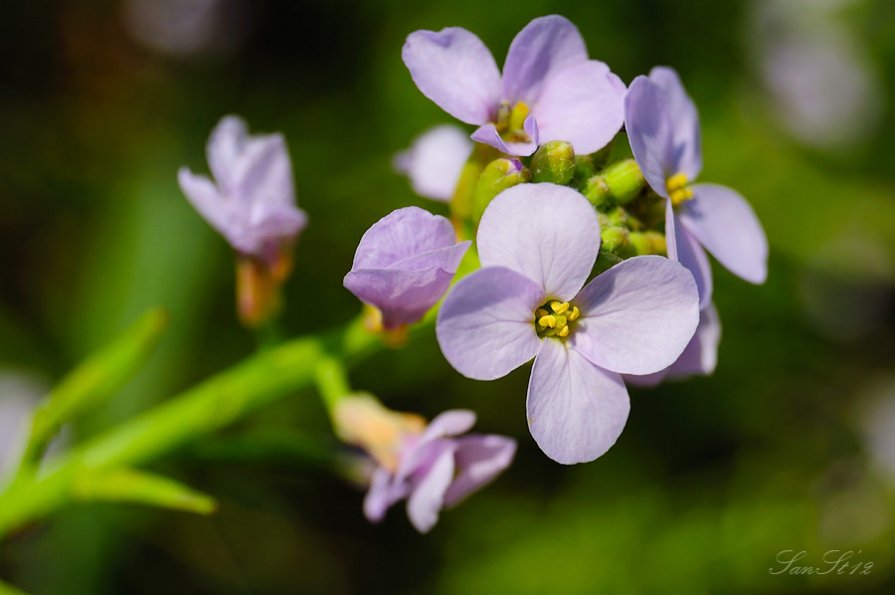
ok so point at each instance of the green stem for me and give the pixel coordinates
(265, 377)
(332, 381)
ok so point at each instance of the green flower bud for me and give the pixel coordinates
(647, 242)
(497, 176)
(614, 239)
(619, 183)
(553, 162)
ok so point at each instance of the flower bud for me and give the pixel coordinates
(647, 242)
(497, 176)
(618, 184)
(614, 239)
(553, 162)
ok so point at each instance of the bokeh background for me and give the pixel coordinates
(789, 446)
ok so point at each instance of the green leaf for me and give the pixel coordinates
(129, 485)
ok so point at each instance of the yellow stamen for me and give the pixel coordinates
(549, 320)
(564, 332)
(574, 314)
(559, 307)
(518, 114)
(678, 187)
(541, 312)
(677, 181)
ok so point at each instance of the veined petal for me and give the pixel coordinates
(576, 410)
(546, 232)
(453, 68)
(478, 460)
(698, 359)
(435, 160)
(487, 135)
(224, 150)
(726, 225)
(544, 46)
(486, 327)
(684, 121)
(427, 498)
(684, 248)
(402, 234)
(637, 317)
(583, 104)
(264, 172)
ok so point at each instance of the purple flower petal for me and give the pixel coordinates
(726, 225)
(543, 47)
(486, 324)
(383, 492)
(664, 137)
(404, 264)
(684, 248)
(488, 135)
(699, 358)
(583, 104)
(224, 151)
(546, 232)
(637, 317)
(427, 497)
(685, 121)
(453, 68)
(205, 198)
(435, 160)
(576, 410)
(449, 423)
(478, 460)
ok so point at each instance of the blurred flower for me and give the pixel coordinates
(404, 263)
(549, 90)
(184, 27)
(432, 466)
(699, 357)
(251, 201)
(537, 244)
(435, 160)
(816, 72)
(663, 129)
(19, 395)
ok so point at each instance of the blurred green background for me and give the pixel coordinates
(789, 446)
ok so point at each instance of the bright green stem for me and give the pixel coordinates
(332, 381)
(8, 590)
(464, 194)
(92, 382)
(129, 485)
(266, 377)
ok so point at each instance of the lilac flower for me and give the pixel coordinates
(251, 201)
(699, 357)
(435, 160)
(404, 264)
(538, 244)
(432, 466)
(663, 128)
(549, 89)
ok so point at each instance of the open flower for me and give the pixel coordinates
(549, 89)
(663, 128)
(699, 358)
(251, 201)
(435, 160)
(432, 466)
(537, 244)
(404, 263)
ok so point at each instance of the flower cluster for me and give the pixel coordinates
(570, 250)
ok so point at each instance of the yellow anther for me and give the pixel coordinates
(574, 314)
(564, 332)
(678, 187)
(559, 307)
(677, 181)
(518, 114)
(542, 312)
(547, 321)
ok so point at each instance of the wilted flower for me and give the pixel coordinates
(699, 357)
(435, 160)
(251, 201)
(549, 89)
(663, 128)
(537, 244)
(432, 466)
(404, 263)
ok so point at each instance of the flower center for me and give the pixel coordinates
(679, 190)
(511, 121)
(555, 318)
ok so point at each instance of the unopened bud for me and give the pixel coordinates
(619, 183)
(497, 176)
(647, 242)
(553, 162)
(614, 239)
